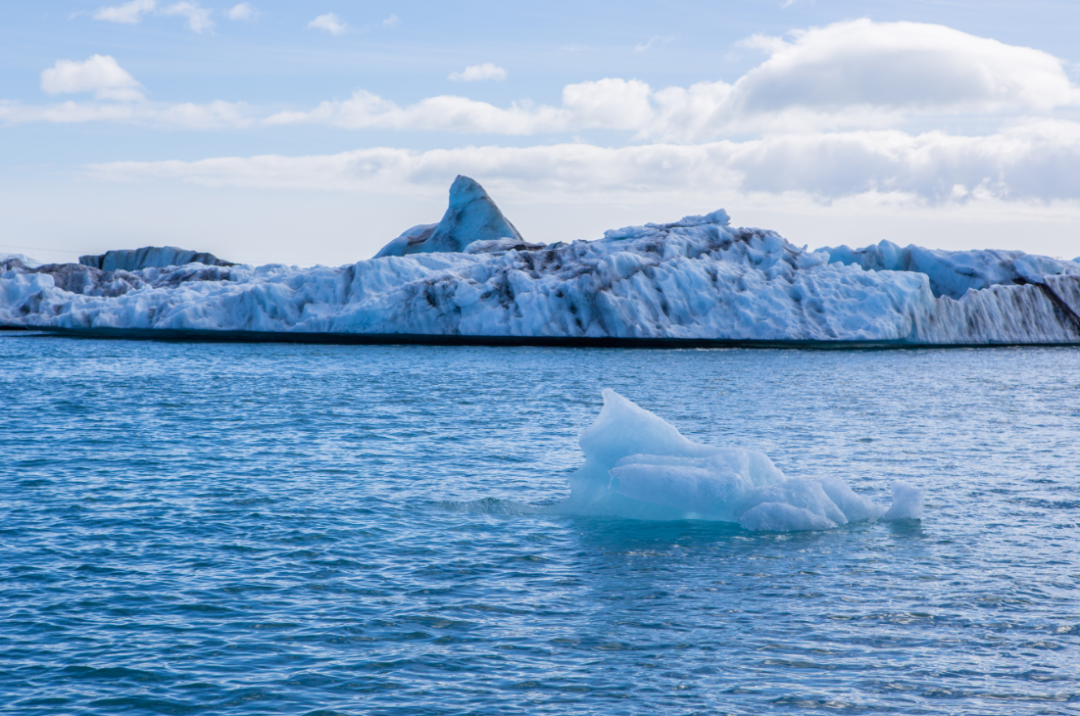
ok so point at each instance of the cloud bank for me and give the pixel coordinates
(830, 113)
(849, 75)
(846, 75)
(1028, 162)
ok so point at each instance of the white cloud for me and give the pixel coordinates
(479, 73)
(614, 104)
(391, 21)
(329, 22)
(1030, 162)
(365, 110)
(128, 13)
(198, 18)
(100, 74)
(187, 115)
(655, 41)
(243, 11)
(899, 66)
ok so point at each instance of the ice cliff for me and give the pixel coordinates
(638, 465)
(149, 257)
(472, 274)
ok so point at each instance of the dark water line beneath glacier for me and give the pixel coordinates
(422, 339)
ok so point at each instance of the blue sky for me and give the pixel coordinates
(306, 133)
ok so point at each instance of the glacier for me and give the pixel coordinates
(472, 275)
(637, 465)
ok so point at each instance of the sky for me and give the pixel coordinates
(305, 133)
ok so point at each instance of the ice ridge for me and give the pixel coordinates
(639, 466)
(149, 257)
(954, 273)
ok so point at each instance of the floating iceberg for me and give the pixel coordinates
(637, 465)
(473, 276)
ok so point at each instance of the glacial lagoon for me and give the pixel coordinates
(206, 528)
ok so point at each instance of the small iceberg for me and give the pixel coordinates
(638, 465)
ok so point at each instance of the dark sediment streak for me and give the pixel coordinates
(211, 336)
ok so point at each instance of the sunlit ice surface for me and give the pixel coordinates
(210, 528)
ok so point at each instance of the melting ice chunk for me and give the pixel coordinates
(639, 465)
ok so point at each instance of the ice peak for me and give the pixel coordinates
(471, 216)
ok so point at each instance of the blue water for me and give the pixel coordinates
(265, 529)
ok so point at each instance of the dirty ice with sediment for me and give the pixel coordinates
(473, 274)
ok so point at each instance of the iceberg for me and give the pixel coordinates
(639, 466)
(472, 277)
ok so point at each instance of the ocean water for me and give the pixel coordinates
(193, 528)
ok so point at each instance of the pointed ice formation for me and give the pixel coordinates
(472, 216)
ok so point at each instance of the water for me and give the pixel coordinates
(250, 529)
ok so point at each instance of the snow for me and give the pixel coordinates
(473, 275)
(638, 465)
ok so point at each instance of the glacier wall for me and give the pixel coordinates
(698, 278)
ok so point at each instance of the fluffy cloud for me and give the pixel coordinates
(100, 74)
(128, 13)
(479, 73)
(898, 66)
(243, 11)
(1028, 162)
(329, 22)
(391, 21)
(198, 18)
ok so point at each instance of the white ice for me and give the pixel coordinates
(472, 274)
(637, 465)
